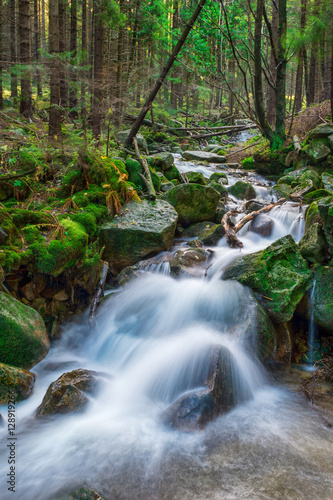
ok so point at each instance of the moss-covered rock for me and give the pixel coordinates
(327, 181)
(279, 272)
(23, 337)
(281, 191)
(193, 202)
(15, 379)
(195, 229)
(196, 178)
(220, 188)
(323, 298)
(185, 260)
(67, 393)
(302, 189)
(173, 174)
(325, 208)
(141, 229)
(316, 195)
(243, 190)
(82, 494)
(123, 134)
(322, 131)
(163, 161)
(312, 215)
(220, 177)
(313, 245)
(203, 156)
(318, 150)
(210, 236)
(310, 174)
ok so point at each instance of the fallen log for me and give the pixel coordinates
(214, 134)
(231, 229)
(98, 295)
(9, 177)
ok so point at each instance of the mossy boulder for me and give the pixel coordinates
(195, 229)
(142, 229)
(173, 174)
(193, 202)
(187, 259)
(325, 208)
(312, 215)
(303, 189)
(123, 134)
(279, 273)
(322, 131)
(163, 160)
(318, 150)
(243, 190)
(316, 195)
(68, 393)
(82, 494)
(323, 298)
(23, 337)
(220, 188)
(211, 235)
(313, 245)
(196, 178)
(220, 177)
(313, 176)
(203, 156)
(281, 191)
(15, 379)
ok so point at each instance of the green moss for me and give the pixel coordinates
(22, 218)
(173, 174)
(248, 163)
(13, 259)
(312, 215)
(93, 195)
(32, 234)
(315, 195)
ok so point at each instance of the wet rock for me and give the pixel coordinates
(3, 236)
(325, 209)
(203, 156)
(313, 245)
(193, 410)
(303, 189)
(15, 379)
(142, 229)
(312, 215)
(2, 422)
(284, 343)
(62, 296)
(318, 150)
(195, 229)
(255, 205)
(192, 202)
(195, 244)
(323, 298)
(196, 178)
(68, 393)
(211, 147)
(186, 259)
(82, 494)
(243, 190)
(220, 212)
(281, 191)
(262, 224)
(210, 236)
(23, 337)
(316, 195)
(122, 136)
(163, 160)
(220, 177)
(261, 332)
(32, 289)
(166, 186)
(327, 181)
(279, 273)
(173, 174)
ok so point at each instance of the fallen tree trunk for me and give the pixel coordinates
(10, 177)
(231, 229)
(98, 295)
(214, 134)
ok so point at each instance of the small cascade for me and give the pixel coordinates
(159, 268)
(312, 325)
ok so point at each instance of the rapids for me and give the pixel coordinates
(149, 346)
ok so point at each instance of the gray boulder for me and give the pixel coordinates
(262, 224)
(203, 156)
(313, 245)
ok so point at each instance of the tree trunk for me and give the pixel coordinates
(84, 61)
(55, 115)
(280, 107)
(118, 104)
(73, 49)
(13, 56)
(37, 47)
(258, 91)
(299, 76)
(1, 54)
(98, 71)
(271, 90)
(25, 59)
(63, 85)
(164, 73)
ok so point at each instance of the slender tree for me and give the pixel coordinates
(98, 92)
(13, 54)
(54, 117)
(25, 59)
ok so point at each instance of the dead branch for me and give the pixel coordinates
(98, 295)
(10, 177)
(254, 214)
(144, 164)
(243, 149)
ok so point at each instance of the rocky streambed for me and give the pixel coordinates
(181, 345)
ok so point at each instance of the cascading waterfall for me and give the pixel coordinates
(150, 345)
(312, 325)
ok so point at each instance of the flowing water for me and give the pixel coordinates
(149, 346)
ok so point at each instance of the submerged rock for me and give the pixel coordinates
(323, 298)
(141, 229)
(15, 379)
(67, 393)
(23, 338)
(193, 410)
(193, 202)
(262, 224)
(203, 156)
(243, 190)
(313, 245)
(279, 273)
(82, 494)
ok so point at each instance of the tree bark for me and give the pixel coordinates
(98, 71)
(164, 73)
(13, 55)
(271, 90)
(300, 66)
(25, 59)
(37, 47)
(1, 54)
(54, 117)
(84, 62)
(63, 85)
(73, 49)
(280, 107)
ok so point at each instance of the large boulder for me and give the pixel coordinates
(243, 190)
(211, 235)
(279, 273)
(23, 338)
(327, 181)
(196, 178)
(313, 245)
(68, 393)
(203, 156)
(193, 202)
(262, 224)
(195, 409)
(318, 150)
(220, 177)
(325, 209)
(323, 298)
(322, 131)
(15, 379)
(163, 160)
(142, 229)
(187, 259)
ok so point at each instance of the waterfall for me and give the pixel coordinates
(312, 325)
